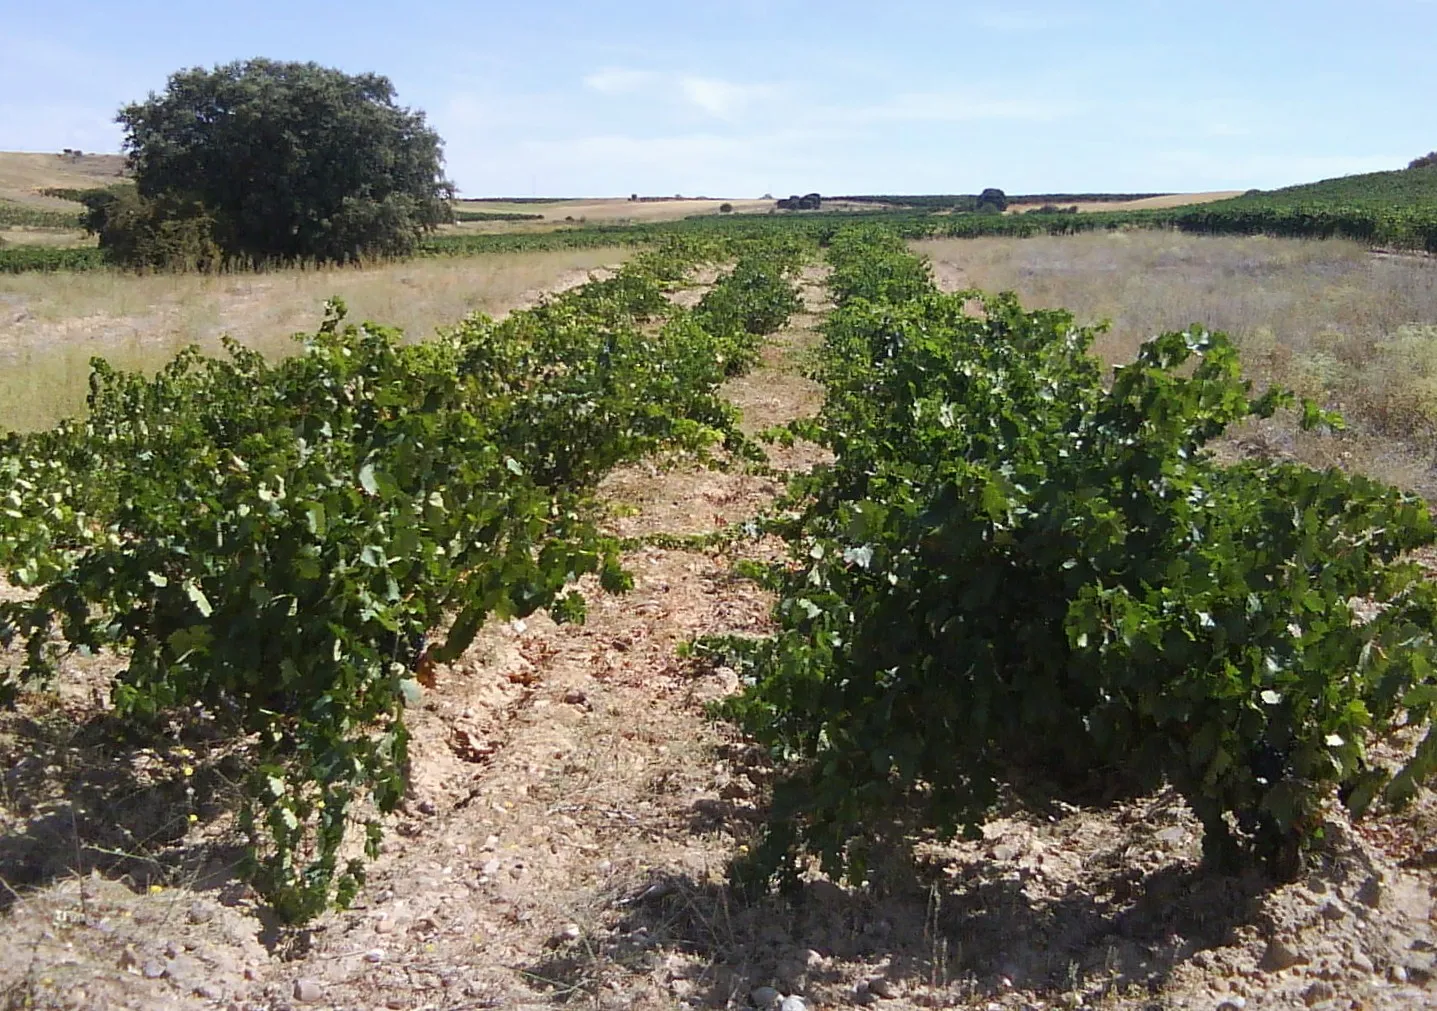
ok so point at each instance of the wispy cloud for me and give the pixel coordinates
(723, 99)
(620, 81)
(731, 101)
(712, 96)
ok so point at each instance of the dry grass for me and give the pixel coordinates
(52, 324)
(613, 209)
(46, 237)
(1145, 204)
(1328, 319)
(23, 175)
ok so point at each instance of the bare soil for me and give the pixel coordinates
(572, 813)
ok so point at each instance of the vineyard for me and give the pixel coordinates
(1392, 210)
(941, 574)
(12, 214)
(1403, 229)
(1012, 572)
(275, 542)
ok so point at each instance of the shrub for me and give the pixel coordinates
(168, 233)
(725, 208)
(1426, 160)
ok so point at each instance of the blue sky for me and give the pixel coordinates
(746, 97)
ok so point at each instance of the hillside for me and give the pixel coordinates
(1401, 189)
(23, 175)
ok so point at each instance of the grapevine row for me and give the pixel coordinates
(274, 541)
(1021, 575)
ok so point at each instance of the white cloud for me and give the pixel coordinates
(712, 96)
(620, 81)
(723, 99)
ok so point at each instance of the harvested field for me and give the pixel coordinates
(52, 324)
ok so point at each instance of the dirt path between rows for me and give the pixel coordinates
(573, 810)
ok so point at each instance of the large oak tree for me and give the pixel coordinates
(289, 161)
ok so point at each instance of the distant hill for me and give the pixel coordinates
(1407, 189)
(1393, 210)
(24, 175)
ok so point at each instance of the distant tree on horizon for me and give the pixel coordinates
(1430, 158)
(992, 200)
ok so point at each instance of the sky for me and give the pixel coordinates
(750, 97)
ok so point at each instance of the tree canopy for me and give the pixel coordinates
(287, 161)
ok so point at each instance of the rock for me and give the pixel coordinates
(1279, 956)
(1172, 836)
(427, 807)
(182, 967)
(490, 868)
(764, 996)
(1371, 892)
(575, 697)
(152, 969)
(207, 991)
(384, 926)
(1318, 992)
(1333, 910)
(200, 912)
(793, 1004)
(307, 991)
(1233, 1004)
(566, 934)
(791, 977)
(374, 956)
(884, 988)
